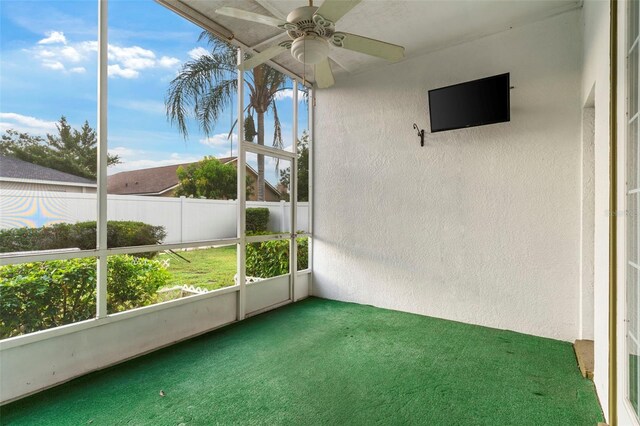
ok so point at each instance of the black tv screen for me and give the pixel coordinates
(474, 103)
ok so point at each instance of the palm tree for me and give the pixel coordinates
(206, 85)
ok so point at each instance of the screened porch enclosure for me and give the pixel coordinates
(243, 215)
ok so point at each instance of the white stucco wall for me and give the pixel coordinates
(46, 187)
(481, 225)
(595, 28)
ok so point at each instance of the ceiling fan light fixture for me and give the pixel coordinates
(310, 49)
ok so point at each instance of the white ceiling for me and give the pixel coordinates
(420, 26)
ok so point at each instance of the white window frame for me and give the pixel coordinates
(623, 104)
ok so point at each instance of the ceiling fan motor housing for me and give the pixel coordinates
(303, 20)
(309, 33)
(303, 13)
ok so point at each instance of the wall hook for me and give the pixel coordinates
(420, 133)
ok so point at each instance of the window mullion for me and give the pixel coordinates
(293, 198)
(101, 292)
(242, 197)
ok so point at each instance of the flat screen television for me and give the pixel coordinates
(474, 103)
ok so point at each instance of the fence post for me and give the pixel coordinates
(182, 202)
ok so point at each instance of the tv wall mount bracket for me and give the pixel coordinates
(420, 133)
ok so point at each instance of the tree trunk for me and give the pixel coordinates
(260, 156)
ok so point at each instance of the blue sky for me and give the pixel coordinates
(48, 69)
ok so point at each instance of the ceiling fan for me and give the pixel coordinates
(311, 29)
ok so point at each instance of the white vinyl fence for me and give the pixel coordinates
(184, 219)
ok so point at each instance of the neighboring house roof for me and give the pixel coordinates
(14, 169)
(152, 181)
(156, 180)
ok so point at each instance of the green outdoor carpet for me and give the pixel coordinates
(331, 363)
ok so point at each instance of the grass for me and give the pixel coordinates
(209, 269)
(322, 362)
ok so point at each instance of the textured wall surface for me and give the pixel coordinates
(482, 225)
(595, 27)
(588, 206)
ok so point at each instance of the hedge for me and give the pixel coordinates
(257, 219)
(271, 258)
(41, 295)
(81, 235)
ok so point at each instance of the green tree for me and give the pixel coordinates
(208, 84)
(211, 179)
(303, 169)
(71, 151)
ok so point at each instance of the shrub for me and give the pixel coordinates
(42, 295)
(80, 235)
(132, 282)
(129, 233)
(257, 219)
(271, 258)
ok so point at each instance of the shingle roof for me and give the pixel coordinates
(154, 180)
(14, 168)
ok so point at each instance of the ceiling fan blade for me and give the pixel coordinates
(262, 57)
(250, 16)
(369, 46)
(333, 10)
(323, 74)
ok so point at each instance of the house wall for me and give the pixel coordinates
(22, 186)
(595, 83)
(269, 193)
(482, 225)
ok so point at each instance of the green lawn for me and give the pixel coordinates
(208, 268)
(214, 268)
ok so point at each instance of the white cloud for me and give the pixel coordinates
(25, 123)
(71, 54)
(124, 152)
(137, 58)
(117, 71)
(167, 62)
(54, 65)
(219, 140)
(54, 37)
(138, 63)
(288, 93)
(44, 53)
(124, 61)
(197, 52)
(130, 60)
(118, 53)
(59, 57)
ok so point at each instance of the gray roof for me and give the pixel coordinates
(14, 168)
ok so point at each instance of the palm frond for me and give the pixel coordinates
(277, 127)
(235, 123)
(277, 132)
(212, 104)
(209, 78)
